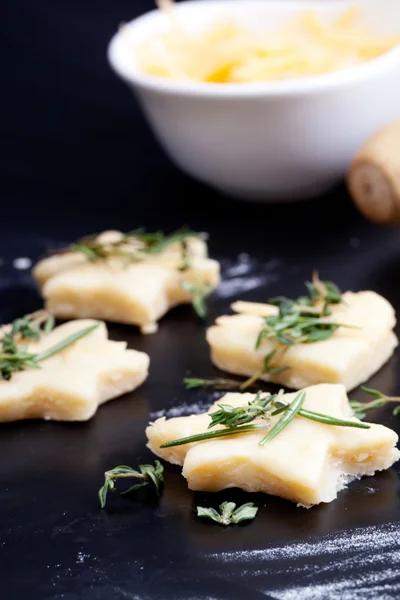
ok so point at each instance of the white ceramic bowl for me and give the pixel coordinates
(274, 141)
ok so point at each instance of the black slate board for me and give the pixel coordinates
(59, 544)
(79, 158)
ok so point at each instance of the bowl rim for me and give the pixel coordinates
(286, 87)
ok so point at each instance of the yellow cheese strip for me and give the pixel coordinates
(228, 52)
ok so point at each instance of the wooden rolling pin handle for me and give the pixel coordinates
(374, 176)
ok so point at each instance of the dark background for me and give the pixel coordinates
(77, 157)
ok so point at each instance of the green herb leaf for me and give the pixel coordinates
(148, 239)
(288, 416)
(151, 476)
(372, 392)
(213, 382)
(209, 435)
(328, 420)
(217, 383)
(29, 327)
(208, 513)
(228, 515)
(25, 328)
(246, 512)
(49, 325)
(198, 293)
(268, 368)
(108, 485)
(92, 252)
(71, 339)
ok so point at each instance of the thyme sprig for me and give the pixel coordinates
(239, 419)
(228, 513)
(30, 326)
(15, 356)
(361, 408)
(150, 476)
(220, 383)
(209, 435)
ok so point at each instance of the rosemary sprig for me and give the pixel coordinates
(237, 420)
(228, 514)
(209, 435)
(215, 383)
(15, 356)
(151, 476)
(198, 293)
(71, 339)
(288, 415)
(361, 408)
(300, 321)
(294, 328)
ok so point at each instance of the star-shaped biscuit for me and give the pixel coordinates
(70, 385)
(308, 462)
(351, 356)
(137, 293)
